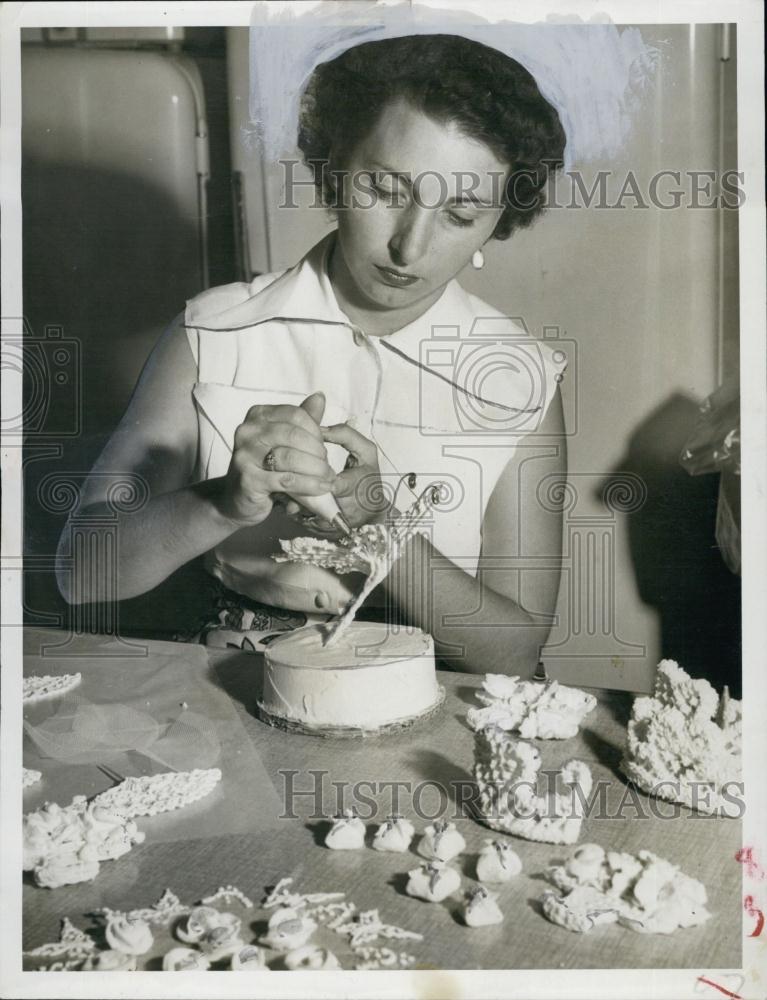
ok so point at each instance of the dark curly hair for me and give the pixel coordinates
(487, 95)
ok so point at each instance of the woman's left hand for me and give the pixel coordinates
(359, 490)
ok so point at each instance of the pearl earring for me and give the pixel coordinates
(478, 260)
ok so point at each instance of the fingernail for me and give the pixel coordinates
(321, 599)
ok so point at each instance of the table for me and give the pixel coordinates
(435, 753)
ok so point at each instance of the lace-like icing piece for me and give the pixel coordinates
(226, 894)
(159, 793)
(684, 742)
(66, 954)
(383, 958)
(371, 549)
(506, 772)
(536, 711)
(368, 927)
(38, 687)
(163, 913)
(643, 892)
(29, 777)
(280, 895)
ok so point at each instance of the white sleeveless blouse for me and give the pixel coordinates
(447, 397)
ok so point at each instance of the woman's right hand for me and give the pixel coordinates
(292, 434)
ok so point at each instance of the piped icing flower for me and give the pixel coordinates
(433, 881)
(110, 961)
(129, 936)
(201, 920)
(222, 941)
(441, 841)
(497, 862)
(394, 834)
(481, 908)
(288, 929)
(184, 960)
(310, 957)
(347, 833)
(249, 958)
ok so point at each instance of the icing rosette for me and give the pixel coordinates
(222, 941)
(68, 869)
(394, 834)
(482, 908)
(129, 936)
(441, 841)
(310, 957)
(248, 959)
(288, 929)
(200, 921)
(184, 960)
(497, 862)
(433, 881)
(110, 961)
(346, 834)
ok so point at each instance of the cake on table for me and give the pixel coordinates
(372, 679)
(346, 677)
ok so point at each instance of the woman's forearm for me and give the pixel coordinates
(475, 629)
(151, 543)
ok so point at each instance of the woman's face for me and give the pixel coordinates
(420, 197)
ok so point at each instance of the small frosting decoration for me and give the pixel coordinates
(433, 881)
(30, 777)
(184, 960)
(110, 961)
(441, 841)
(288, 929)
(36, 688)
(481, 908)
(310, 957)
(129, 936)
(347, 833)
(394, 834)
(248, 959)
(222, 941)
(200, 921)
(497, 862)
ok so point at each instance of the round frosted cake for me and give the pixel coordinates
(370, 680)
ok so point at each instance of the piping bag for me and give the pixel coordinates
(326, 505)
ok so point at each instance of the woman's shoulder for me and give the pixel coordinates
(213, 301)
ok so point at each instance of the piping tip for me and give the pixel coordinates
(340, 522)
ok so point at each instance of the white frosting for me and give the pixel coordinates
(36, 688)
(64, 845)
(482, 909)
(248, 959)
(222, 941)
(684, 742)
(506, 772)
(394, 834)
(310, 957)
(288, 929)
(196, 924)
(370, 678)
(536, 711)
(184, 960)
(497, 862)
(643, 892)
(29, 777)
(442, 841)
(159, 793)
(131, 937)
(346, 834)
(433, 881)
(110, 961)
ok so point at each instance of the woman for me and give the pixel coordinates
(341, 373)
